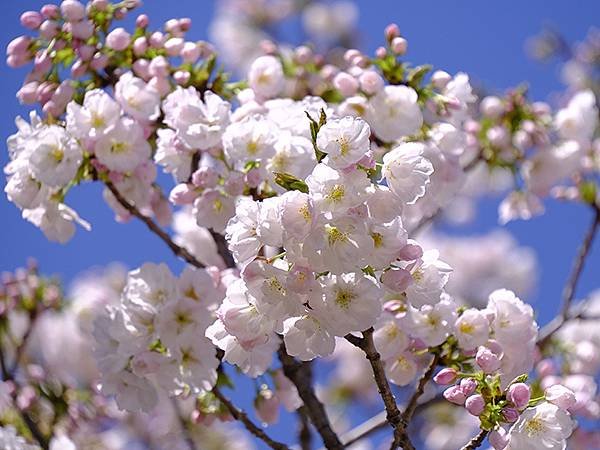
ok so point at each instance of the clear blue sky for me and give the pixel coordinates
(484, 39)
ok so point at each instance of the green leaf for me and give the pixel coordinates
(290, 182)
(415, 75)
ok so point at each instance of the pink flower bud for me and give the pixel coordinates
(15, 61)
(51, 109)
(391, 31)
(185, 23)
(346, 84)
(468, 386)
(498, 136)
(118, 39)
(100, 5)
(28, 93)
(82, 30)
(350, 54)
(491, 106)
(235, 184)
(18, 46)
(86, 52)
(72, 10)
(475, 404)
(253, 177)
(303, 54)
(328, 72)
(440, 79)
(140, 45)
(370, 82)
(399, 45)
(50, 11)
(157, 39)
(141, 68)
(142, 21)
(205, 177)
(410, 252)
(455, 395)
(31, 20)
(182, 194)
(120, 13)
(560, 396)
(45, 91)
(190, 52)
(99, 62)
(446, 376)
(397, 280)
(498, 439)
(381, 52)
(161, 84)
(268, 47)
(49, 29)
(159, 67)
(78, 69)
(488, 361)
(519, 394)
(174, 46)
(267, 406)
(510, 414)
(181, 77)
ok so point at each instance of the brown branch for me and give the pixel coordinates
(223, 249)
(299, 374)
(179, 251)
(414, 399)
(304, 434)
(393, 416)
(242, 417)
(476, 441)
(549, 330)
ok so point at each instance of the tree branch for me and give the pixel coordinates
(476, 441)
(242, 417)
(179, 251)
(299, 374)
(304, 433)
(414, 399)
(569, 291)
(393, 416)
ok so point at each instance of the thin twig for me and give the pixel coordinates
(476, 441)
(179, 251)
(242, 417)
(411, 406)
(394, 417)
(183, 425)
(299, 374)
(377, 422)
(572, 282)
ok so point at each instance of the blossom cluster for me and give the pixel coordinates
(299, 201)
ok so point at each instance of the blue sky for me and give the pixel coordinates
(484, 39)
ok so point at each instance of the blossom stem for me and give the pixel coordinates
(179, 251)
(476, 441)
(549, 330)
(299, 374)
(242, 417)
(394, 417)
(304, 433)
